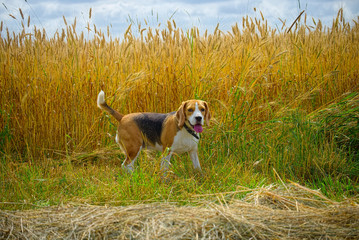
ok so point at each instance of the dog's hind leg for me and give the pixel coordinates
(130, 160)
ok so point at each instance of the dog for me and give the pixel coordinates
(176, 131)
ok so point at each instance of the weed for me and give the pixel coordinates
(5, 133)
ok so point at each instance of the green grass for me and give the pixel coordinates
(289, 148)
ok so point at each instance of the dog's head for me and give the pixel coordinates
(195, 112)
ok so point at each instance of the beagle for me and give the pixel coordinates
(178, 131)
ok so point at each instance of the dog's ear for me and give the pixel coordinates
(207, 116)
(180, 114)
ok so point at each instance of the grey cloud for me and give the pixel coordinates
(202, 13)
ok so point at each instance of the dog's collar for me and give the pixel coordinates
(191, 131)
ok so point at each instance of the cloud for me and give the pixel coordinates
(204, 14)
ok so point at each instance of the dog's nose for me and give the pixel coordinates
(199, 118)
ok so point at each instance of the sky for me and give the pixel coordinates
(204, 14)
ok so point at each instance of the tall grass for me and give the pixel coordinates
(265, 87)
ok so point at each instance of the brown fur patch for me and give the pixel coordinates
(130, 137)
(170, 129)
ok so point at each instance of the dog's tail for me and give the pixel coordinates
(103, 105)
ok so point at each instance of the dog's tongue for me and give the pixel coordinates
(198, 128)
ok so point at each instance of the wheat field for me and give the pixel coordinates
(283, 140)
(284, 102)
(250, 74)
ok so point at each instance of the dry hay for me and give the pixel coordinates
(289, 212)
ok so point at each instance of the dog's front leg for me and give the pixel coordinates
(194, 157)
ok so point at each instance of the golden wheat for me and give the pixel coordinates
(49, 84)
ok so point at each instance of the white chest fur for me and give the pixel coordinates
(184, 142)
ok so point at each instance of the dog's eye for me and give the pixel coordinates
(202, 109)
(190, 110)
